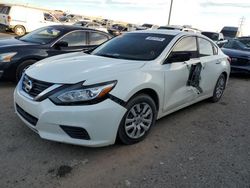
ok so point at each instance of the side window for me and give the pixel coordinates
(187, 44)
(4, 9)
(76, 38)
(206, 48)
(97, 38)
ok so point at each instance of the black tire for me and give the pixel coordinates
(22, 67)
(143, 101)
(19, 30)
(219, 88)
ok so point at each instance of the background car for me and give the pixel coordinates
(218, 38)
(185, 28)
(230, 32)
(117, 29)
(23, 19)
(16, 54)
(147, 26)
(245, 40)
(239, 52)
(119, 90)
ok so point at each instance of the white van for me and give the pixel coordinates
(22, 19)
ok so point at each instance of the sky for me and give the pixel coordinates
(209, 15)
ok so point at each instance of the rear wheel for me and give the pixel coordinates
(139, 118)
(219, 88)
(22, 67)
(19, 30)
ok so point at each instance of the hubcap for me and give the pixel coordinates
(19, 31)
(220, 87)
(138, 120)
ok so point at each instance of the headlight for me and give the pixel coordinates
(79, 94)
(6, 57)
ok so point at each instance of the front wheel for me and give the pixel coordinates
(219, 88)
(22, 67)
(137, 121)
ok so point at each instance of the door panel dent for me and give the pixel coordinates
(195, 77)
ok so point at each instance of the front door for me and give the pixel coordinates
(182, 79)
(76, 40)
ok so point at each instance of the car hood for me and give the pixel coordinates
(76, 67)
(12, 42)
(236, 53)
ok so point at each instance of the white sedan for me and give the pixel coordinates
(121, 88)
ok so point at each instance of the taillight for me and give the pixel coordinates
(9, 18)
(229, 59)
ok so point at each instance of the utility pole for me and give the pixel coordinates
(242, 21)
(170, 12)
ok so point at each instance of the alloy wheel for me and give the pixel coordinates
(138, 120)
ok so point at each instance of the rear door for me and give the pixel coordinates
(211, 63)
(4, 15)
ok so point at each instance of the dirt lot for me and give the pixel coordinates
(205, 145)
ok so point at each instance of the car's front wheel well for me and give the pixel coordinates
(225, 74)
(150, 92)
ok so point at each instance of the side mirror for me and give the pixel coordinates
(178, 57)
(61, 44)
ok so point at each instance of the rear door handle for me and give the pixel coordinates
(218, 62)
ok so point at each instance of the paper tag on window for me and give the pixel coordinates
(155, 39)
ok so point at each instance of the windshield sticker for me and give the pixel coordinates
(155, 39)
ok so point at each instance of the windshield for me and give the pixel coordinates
(245, 41)
(236, 45)
(211, 35)
(43, 35)
(134, 46)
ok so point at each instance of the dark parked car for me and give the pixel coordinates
(117, 29)
(17, 54)
(245, 40)
(230, 32)
(239, 54)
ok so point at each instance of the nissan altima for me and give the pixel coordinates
(121, 88)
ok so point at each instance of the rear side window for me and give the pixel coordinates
(187, 44)
(4, 10)
(97, 38)
(76, 38)
(205, 47)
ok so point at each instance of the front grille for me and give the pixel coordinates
(76, 132)
(34, 87)
(31, 119)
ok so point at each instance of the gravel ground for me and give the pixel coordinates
(205, 145)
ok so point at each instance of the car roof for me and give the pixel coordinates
(68, 28)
